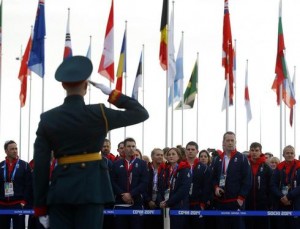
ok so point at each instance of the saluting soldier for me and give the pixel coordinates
(80, 184)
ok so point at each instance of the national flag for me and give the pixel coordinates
(106, 67)
(191, 90)
(122, 64)
(280, 67)
(224, 103)
(247, 98)
(163, 50)
(36, 61)
(24, 72)
(292, 108)
(138, 79)
(68, 45)
(89, 51)
(228, 52)
(178, 81)
(288, 94)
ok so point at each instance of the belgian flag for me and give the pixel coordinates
(163, 51)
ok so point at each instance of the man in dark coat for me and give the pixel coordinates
(15, 186)
(129, 176)
(231, 176)
(80, 184)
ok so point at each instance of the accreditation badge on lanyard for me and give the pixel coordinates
(8, 189)
(222, 181)
(167, 194)
(8, 185)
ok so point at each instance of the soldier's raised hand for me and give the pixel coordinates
(106, 90)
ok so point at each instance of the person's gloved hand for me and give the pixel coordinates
(106, 90)
(44, 220)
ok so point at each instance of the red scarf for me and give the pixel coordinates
(295, 164)
(255, 165)
(232, 154)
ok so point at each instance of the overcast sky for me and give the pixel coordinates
(254, 25)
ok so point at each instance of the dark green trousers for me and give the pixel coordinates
(79, 216)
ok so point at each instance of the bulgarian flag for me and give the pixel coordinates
(281, 70)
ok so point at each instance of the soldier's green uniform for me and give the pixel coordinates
(80, 185)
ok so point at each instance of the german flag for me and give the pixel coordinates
(163, 51)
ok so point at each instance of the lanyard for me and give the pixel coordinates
(155, 178)
(172, 174)
(14, 172)
(129, 167)
(224, 168)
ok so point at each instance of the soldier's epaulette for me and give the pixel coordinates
(114, 96)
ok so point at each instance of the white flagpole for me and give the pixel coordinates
(227, 103)
(280, 124)
(167, 100)
(171, 59)
(125, 73)
(89, 55)
(235, 104)
(294, 109)
(227, 95)
(20, 113)
(182, 126)
(247, 123)
(29, 118)
(284, 124)
(260, 131)
(197, 120)
(143, 101)
(29, 111)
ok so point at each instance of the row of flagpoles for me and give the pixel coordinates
(33, 61)
(282, 85)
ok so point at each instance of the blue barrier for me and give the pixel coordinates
(172, 212)
(233, 213)
(131, 212)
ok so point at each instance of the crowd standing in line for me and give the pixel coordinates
(198, 180)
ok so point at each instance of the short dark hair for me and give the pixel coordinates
(256, 145)
(192, 143)
(8, 143)
(128, 140)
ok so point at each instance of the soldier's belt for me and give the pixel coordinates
(79, 158)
